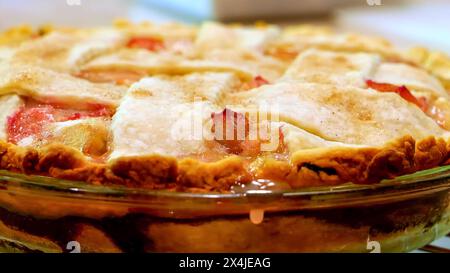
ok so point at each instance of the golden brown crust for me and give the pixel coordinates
(153, 172)
(17, 159)
(42, 70)
(312, 167)
(145, 170)
(330, 166)
(430, 152)
(61, 157)
(220, 175)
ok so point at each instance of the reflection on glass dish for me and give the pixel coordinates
(40, 214)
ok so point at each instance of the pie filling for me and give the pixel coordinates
(255, 83)
(156, 44)
(32, 120)
(429, 108)
(285, 54)
(400, 90)
(127, 77)
(149, 43)
(121, 77)
(34, 125)
(325, 136)
(30, 124)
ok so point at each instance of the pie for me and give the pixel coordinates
(218, 107)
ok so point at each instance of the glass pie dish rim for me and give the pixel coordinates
(67, 187)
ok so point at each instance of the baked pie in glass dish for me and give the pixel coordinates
(144, 137)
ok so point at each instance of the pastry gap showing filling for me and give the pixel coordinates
(426, 106)
(121, 77)
(128, 77)
(254, 141)
(403, 91)
(283, 53)
(38, 123)
(146, 42)
(156, 44)
(256, 82)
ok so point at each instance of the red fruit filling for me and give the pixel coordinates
(401, 90)
(149, 43)
(32, 119)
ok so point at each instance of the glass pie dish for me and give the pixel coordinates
(39, 214)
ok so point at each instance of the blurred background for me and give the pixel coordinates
(416, 22)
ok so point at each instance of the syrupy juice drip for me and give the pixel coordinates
(256, 216)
